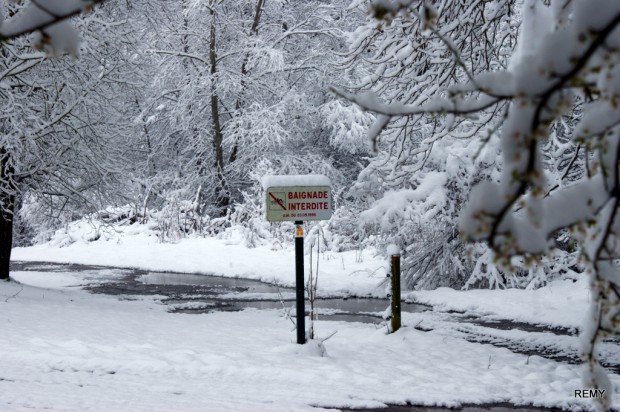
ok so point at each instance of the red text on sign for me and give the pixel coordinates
(307, 195)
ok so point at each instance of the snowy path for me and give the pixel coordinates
(556, 344)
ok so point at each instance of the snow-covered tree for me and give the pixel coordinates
(60, 124)
(567, 62)
(409, 58)
(243, 90)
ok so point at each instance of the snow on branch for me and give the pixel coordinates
(370, 102)
(49, 20)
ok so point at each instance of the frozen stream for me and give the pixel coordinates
(188, 293)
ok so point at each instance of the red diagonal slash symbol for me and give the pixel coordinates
(277, 200)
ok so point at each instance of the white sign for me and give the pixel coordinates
(289, 201)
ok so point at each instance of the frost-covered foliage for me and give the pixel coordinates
(240, 87)
(411, 191)
(566, 63)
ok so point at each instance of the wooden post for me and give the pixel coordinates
(395, 266)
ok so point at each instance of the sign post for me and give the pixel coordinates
(299, 283)
(298, 198)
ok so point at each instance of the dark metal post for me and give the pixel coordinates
(395, 293)
(299, 282)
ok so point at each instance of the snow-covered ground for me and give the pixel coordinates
(66, 349)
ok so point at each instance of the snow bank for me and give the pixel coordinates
(561, 303)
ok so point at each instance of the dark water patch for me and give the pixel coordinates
(366, 306)
(347, 310)
(352, 317)
(221, 284)
(182, 306)
(127, 285)
(58, 267)
(173, 288)
(506, 324)
(489, 407)
(230, 306)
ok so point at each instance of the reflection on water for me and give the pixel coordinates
(358, 305)
(183, 279)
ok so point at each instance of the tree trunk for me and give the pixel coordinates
(188, 64)
(223, 197)
(7, 206)
(6, 240)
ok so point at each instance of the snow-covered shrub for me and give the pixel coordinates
(179, 218)
(249, 220)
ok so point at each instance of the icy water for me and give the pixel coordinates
(188, 293)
